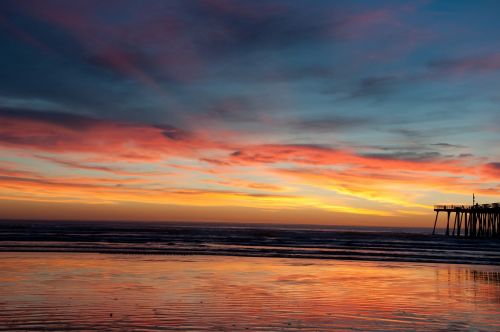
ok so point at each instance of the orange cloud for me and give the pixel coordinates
(107, 140)
(191, 169)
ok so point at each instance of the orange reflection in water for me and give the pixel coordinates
(92, 291)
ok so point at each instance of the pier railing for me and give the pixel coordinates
(452, 207)
(458, 207)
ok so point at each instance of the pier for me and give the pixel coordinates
(472, 221)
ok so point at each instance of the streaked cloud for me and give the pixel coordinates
(358, 110)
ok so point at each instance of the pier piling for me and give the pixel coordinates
(478, 220)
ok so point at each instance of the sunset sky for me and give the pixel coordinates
(319, 112)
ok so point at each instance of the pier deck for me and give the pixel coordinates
(475, 221)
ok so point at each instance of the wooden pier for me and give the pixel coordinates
(473, 221)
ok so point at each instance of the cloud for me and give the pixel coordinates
(23, 35)
(448, 145)
(193, 92)
(323, 155)
(238, 183)
(230, 109)
(173, 133)
(89, 190)
(474, 64)
(118, 142)
(400, 188)
(131, 46)
(375, 86)
(360, 24)
(366, 185)
(331, 123)
(73, 165)
(406, 156)
(95, 190)
(262, 26)
(156, 43)
(63, 133)
(66, 120)
(297, 153)
(492, 170)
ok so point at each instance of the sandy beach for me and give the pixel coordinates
(71, 291)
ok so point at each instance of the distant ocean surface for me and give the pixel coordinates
(256, 240)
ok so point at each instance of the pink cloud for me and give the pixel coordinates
(106, 139)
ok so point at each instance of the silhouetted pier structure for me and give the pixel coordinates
(473, 221)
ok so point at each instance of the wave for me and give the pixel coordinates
(321, 242)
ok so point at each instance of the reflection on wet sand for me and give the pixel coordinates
(489, 277)
(98, 292)
(471, 280)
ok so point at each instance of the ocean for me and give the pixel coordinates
(297, 241)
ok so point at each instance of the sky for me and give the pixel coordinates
(311, 112)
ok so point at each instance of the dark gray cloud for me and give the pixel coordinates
(448, 145)
(67, 120)
(278, 73)
(409, 133)
(174, 133)
(495, 166)
(406, 156)
(375, 86)
(240, 26)
(331, 123)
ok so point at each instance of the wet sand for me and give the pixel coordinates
(88, 291)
